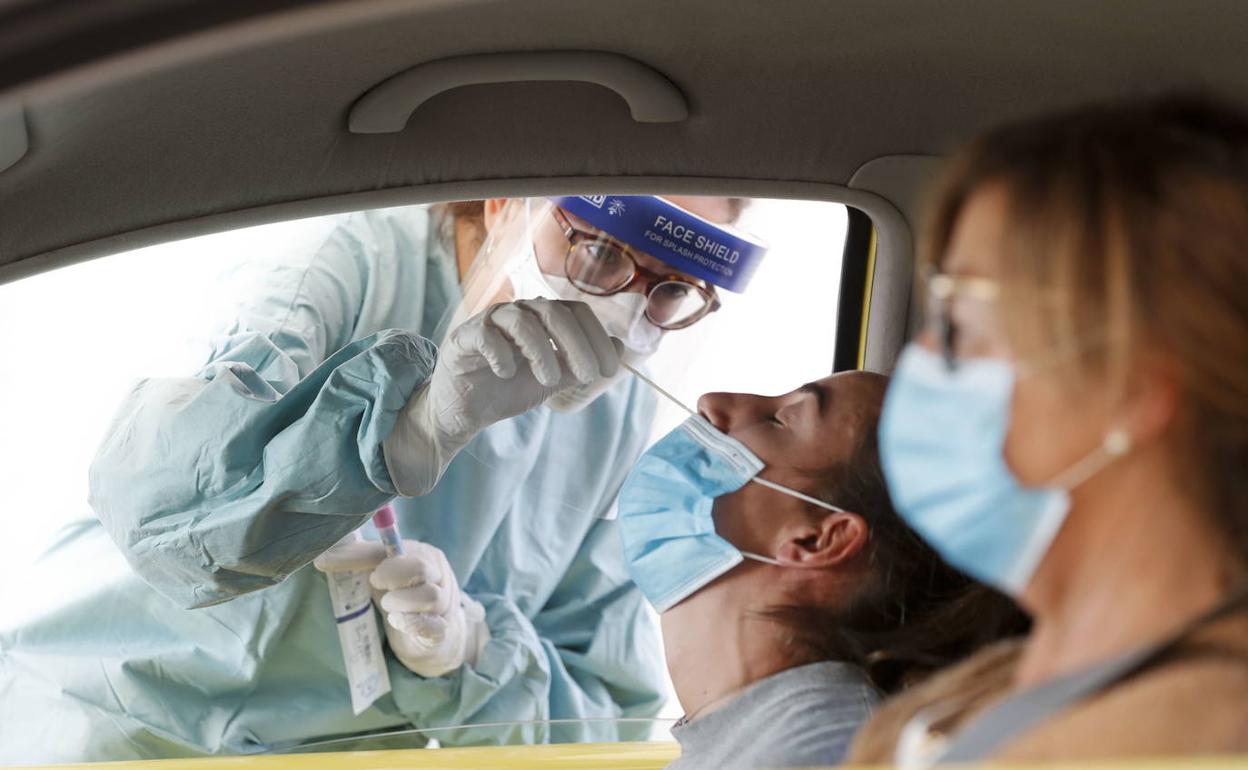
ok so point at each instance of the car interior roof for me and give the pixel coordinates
(241, 119)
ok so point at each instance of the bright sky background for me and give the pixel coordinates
(781, 332)
(76, 338)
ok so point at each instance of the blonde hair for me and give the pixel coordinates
(1127, 238)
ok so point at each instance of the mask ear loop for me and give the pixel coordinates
(764, 559)
(777, 563)
(1116, 443)
(799, 495)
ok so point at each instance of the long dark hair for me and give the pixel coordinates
(915, 614)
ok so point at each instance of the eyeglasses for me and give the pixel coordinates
(961, 310)
(600, 265)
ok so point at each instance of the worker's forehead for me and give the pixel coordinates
(715, 209)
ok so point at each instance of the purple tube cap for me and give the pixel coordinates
(384, 517)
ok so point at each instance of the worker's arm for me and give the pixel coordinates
(219, 485)
(228, 481)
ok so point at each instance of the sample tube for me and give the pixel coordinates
(388, 531)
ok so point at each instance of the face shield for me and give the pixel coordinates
(645, 265)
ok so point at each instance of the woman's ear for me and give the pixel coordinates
(835, 539)
(1151, 400)
(493, 209)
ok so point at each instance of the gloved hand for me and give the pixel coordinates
(432, 627)
(500, 363)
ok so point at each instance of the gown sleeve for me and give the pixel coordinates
(228, 481)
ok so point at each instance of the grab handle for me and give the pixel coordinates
(651, 97)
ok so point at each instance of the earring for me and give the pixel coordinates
(1117, 442)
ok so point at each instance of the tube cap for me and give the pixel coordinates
(384, 517)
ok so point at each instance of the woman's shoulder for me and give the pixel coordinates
(967, 687)
(1194, 701)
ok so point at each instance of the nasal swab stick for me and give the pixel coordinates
(658, 388)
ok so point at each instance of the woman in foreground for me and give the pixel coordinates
(1073, 428)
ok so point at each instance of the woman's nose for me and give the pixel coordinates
(728, 411)
(717, 409)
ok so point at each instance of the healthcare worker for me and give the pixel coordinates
(1073, 428)
(322, 401)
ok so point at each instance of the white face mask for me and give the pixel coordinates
(622, 315)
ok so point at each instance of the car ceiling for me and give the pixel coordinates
(239, 120)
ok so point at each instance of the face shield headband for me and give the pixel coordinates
(718, 254)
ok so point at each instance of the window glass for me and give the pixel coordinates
(778, 334)
(77, 340)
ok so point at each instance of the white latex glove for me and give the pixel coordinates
(500, 363)
(432, 627)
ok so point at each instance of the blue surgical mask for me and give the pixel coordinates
(665, 507)
(942, 442)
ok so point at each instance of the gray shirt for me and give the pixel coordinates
(801, 717)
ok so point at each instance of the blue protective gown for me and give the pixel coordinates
(220, 489)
